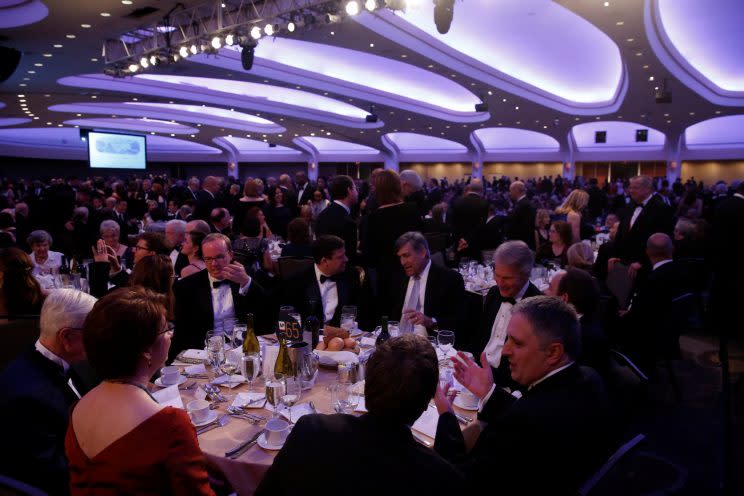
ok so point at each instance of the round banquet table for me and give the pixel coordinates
(246, 472)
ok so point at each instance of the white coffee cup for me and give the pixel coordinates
(277, 431)
(170, 375)
(198, 410)
(468, 399)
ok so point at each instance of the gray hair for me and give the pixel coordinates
(64, 308)
(109, 225)
(644, 181)
(178, 225)
(686, 228)
(81, 212)
(412, 178)
(580, 254)
(39, 236)
(552, 320)
(417, 240)
(475, 186)
(515, 254)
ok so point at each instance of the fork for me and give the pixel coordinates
(219, 422)
(187, 386)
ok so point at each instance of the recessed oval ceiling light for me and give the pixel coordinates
(638, 54)
(94, 60)
(126, 2)
(38, 64)
(86, 26)
(371, 45)
(57, 45)
(31, 72)
(105, 14)
(71, 36)
(630, 40)
(47, 55)
(620, 23)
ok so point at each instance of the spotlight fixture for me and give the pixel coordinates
(481, 107)
(371, 117)
(370, 5)
(193, 49)
(144, 62)
(443, 13)
(216, 43)
(154, 60)
(255, 32)
(332, 18)
(269, 29)
(230, 40)
(183, 52)
(133, 67)
(352, 7)
(247, 54)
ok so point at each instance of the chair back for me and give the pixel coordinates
(19, 334)
(622, 451)
(291, 266)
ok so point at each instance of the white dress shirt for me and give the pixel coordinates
(49, 355)
(223, 305)
(174, 256)
(300, 191)
(659, 264)
(328, 295)
(423, 278)
(498, 332)
(638, 210)
(53, 261)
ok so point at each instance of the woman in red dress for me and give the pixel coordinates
(120, 440)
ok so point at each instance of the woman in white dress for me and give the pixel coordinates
(45, 260)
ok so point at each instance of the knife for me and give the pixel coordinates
(242, 448)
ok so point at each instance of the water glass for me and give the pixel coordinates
(292, 392)
(349, 310)
(348, 321)
(238, 335)
(230, 365)
(343, 398)
(250, 367)
(446, 341)
(274, 393)
(394, 328)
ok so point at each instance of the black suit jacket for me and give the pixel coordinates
(520, 225)
(304, 287)
(35, 402)
(205, 202)
(194, 315)
(444, 298)
(322, 449)
(306, 196)
(468, 213)
(335, 220)
(630, 243)
(526, 440)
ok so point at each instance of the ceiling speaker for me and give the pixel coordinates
(246, 57)
(9, 59)
(641, 135)
(600, 137)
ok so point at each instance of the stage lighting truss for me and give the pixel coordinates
(207, 28)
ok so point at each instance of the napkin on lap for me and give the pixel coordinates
(427, 422)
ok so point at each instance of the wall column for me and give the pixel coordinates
(675, 142)
(567, 152)
(477, 163)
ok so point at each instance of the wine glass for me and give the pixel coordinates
(343, 397)
(230, 365)
(251, 367)
(238, 335)
(446, 341)
(292, 392)
(274, 393)
(214, 343)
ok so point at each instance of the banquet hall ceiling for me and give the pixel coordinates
(541, 66)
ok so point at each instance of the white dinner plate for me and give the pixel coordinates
(159, 382)
(211, 417)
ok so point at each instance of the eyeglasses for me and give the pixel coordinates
(138, 247)
(168, 328)
(214, 259)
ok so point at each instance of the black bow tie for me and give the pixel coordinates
(323, 278)
(508, 299)
(217, 284)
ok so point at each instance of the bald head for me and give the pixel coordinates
(517, 190)
(199, 226)
(659, 247)
(475, 186)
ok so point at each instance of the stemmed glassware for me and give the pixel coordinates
(215, 346)
(274, 393)
(230, 365)
(292, 392)
(446, 341)
(251, 368)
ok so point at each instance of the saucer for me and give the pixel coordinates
(458, 403)
(265, 444)
(159, 382)
(211, 417)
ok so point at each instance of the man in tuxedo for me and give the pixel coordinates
(647, 215)
(220, 221)
(412, 188)
(304, 189)
(513, 263)
(520, 225)
(175, 233)
(224, 291)
(37, 390)
(429, 297)
(330, 283)
(491, 234)
(401, 377)
(206, 198)
(651, 331)
(336, 218)
(527, 440)
(122, 218)
(469, 212)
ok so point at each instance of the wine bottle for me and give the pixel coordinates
(283, 365)
(65, 267)
(311, 334)
(384, 333)
(250, 341)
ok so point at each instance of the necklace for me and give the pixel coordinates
(135, 384)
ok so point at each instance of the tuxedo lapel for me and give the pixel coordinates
(205, 295)
(432, 285)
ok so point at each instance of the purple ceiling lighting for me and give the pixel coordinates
(507, 139)
(413, 146)
(332, 150)
(14, 13)
(701, 44)
(533, 48)
(198, 114)
(13, 121)
(717, 133)
(356, 74)
(250, 150)
(64, 143)
(238, 94)
(132, 124)
(620, 137)
(2, 105)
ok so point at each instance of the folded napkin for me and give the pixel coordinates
(298, 411)
(249, 400)
(194, 354)
(331, 358)
(361, 406)
(427, 422)
(235, 380)
(169, 396)
(366, 342)
(195, 369)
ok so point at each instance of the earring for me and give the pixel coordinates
(149, 362)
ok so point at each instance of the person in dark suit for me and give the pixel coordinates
(206, 198)
(520, 224)
(329, 283)
(429, 297)
(647, 215)
(491, 234)
(469, 212)
(37, 390)
(649, 321)
(126, 227)
(304, 189)
(401, 377)
(513, 263)
(224, 291)
(336, 218)
(412, 188)
(527, 440)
